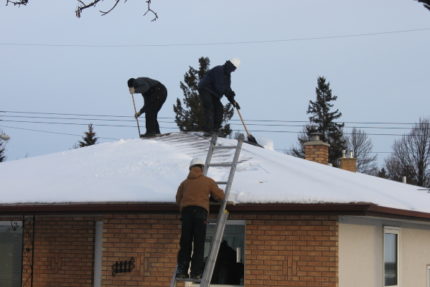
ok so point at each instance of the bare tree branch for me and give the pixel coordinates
(82, 6)
(411, 156)
(113, 7)
(150, 10)
(426, 3)
(362, 146)
(17, 3)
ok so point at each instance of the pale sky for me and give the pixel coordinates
(373, 53)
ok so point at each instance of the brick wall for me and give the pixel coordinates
(63, 251)
(316, 151)
(27, 252)
(348, 164)
(283, 250)
(280, 250)
(152, 239)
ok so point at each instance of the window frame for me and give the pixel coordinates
(229, 222)
(98, 253)
(19, 224)
(396, 231)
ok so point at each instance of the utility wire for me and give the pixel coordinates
(107, 138)
(52, 132)
(224, 43)
(62, 114)
(234, 120)
(170, 128)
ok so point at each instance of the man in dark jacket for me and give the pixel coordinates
(193, 200)
(215, 84)
(154, 95)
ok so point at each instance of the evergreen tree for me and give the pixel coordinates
(322, 121)
(2, 151)
(89, 138)
(189, 114)
(3, 139)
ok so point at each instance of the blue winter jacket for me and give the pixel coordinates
(217, 80)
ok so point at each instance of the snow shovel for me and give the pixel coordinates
(251, 138)
(135, 112)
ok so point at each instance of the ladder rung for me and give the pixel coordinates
(225, 146)
(223, 212)
(221, 164)
(222, 182)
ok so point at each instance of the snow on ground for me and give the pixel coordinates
(150, 170)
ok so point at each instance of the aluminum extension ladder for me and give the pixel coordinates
(223, 212)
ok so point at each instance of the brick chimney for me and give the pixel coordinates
(316, 150)
(348, 163)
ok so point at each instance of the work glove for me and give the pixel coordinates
(236, 105)
(233, 102)
(132, 90)
(138, 114)
(230, 97)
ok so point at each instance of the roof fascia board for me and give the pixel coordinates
(365, 209)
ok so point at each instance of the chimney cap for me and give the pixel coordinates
(314, 138)
(4, 137)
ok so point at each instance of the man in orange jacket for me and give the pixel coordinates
(193, 200)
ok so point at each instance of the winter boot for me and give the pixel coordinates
(181, 273)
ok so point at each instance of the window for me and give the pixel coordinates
(391, 256)
(230, 261)
(10, 253)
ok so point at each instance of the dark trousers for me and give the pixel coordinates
(194, 221)
(154, 100)
(213, 111)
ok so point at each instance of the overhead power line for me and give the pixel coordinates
(52, 132)
(175, 128)
(131, 120)
(62, 114)
(221, 43)
(108, 120)
(6, 113)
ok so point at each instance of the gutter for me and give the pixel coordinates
(358, 209)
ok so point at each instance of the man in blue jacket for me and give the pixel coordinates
(215, 84)
(154, 95)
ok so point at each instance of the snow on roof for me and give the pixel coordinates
(150, 170)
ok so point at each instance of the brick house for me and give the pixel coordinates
(96, 217)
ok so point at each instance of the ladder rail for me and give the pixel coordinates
(214, 249)
(173, 280)
(223, 212)
(212, 145)
(231, 174)
(221, 222)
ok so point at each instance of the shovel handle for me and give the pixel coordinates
(243, 123)
(135, 112)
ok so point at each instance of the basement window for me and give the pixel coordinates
(391, 256)
(229, 269)
(11, 253)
